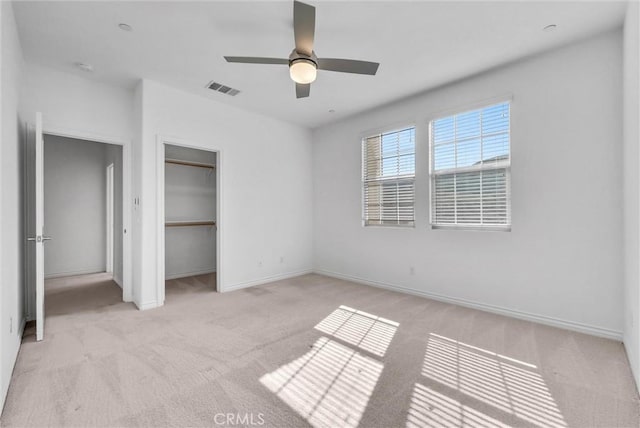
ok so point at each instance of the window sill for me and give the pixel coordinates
(390, 226)
(473, 228)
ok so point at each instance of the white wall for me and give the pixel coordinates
(265, 202)
(77, 106)
(70, 102)
(3, 386)
(562, 261)
(136, 177)
(631, 156)
(74, 206)
(190, 194)
(11, 229)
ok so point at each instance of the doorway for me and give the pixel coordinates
(188, 220)
(77, 193)
(84, 188)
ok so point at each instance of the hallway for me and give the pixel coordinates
(79, 294)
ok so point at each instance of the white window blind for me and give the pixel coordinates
(470, 168)
(388, 170)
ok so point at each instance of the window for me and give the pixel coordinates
(388, 172)
(470, 167)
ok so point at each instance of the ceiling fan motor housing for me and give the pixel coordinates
(295, 56)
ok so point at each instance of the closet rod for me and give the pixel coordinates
(189, 223)
(189, 163)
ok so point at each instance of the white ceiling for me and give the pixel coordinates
(419, 44)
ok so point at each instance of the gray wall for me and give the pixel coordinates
(190, 194)
(74, 206)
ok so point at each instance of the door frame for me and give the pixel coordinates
(110, 217)
(161, 141)
(127, 273)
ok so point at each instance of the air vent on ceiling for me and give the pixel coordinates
(219, 87)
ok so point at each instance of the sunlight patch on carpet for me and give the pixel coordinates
(368, 332)
(509, 385)
(431, 409)
(329, 386)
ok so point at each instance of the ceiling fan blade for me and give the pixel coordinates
(304, 27)
(348, 66)
(256, 60)
(302, 91)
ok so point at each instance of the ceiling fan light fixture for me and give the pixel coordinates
(303, 62)
(303, 71)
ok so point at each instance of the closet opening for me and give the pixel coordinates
(189, 205)
(83, 211)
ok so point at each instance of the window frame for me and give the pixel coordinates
(506, 165)
(380, 132)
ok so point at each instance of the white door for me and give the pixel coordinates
(38, 239)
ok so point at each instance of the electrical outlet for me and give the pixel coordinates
(281, 259)
(259, 263)
(412, 270)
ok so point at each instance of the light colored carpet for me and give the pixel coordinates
(307, 351)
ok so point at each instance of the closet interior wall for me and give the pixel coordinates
(190, 212)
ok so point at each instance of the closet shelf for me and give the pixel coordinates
(189, 163)
(189, 223)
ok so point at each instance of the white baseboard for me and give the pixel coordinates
(72, 273)
(264, 280)
(147, 305)
(187, 274)
(541, 319)
(127, 297)
(14, 358)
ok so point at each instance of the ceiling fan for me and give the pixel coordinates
(303, 62)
